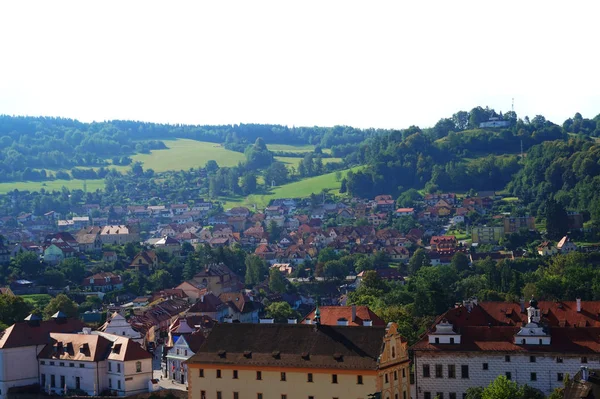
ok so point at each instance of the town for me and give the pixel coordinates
(208, 296)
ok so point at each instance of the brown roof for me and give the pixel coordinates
(491, 326)
(208, 303)
(83, 347)
(27, 334)
(194, 340)
(283, 345)
(331, 314)
(124, 349)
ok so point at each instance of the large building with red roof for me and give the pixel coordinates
(535, 344)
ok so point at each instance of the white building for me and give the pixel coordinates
(472, 344)
(94, 363)
(118, 325)
(186, 345)
(20, 345)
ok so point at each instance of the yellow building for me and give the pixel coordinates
(299, 361)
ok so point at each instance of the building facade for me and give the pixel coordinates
(487, 234)
(472, 344)
(299, 361)
(94, 364)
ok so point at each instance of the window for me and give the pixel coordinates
(43, 383)
(309, 377)
(110, 382)
(219, 395)
(386, 378)
(452, 395)
(485, 366)
(404, 395)
(62, 381)
(439, 395)
(438, 371)
(311, 397)
(334, 378)
(584, 359)
(177, 351)
(42, 362)
(51, 363)
(507, 358)
(508, 375)
(236, 395)
(71, 364)
(81, 365)
(451, 340)
(532, 359)
(109, 366)
(451, 371)
(52, 380)
(403, 373)
(559, 360)
(560, 376)
(283, 376)
(437, 340)
(62, 364)
(259, 377)
(138, 367)
(202, 394)
(426, 370)
(235, 374)
(464, 369)
(118, 367)
(359, 379)
(427, 395)
(259, 396)
(186, 352)
(533, 377)
(283, 396)
(395, 375)
(118, 384)
(218, 373)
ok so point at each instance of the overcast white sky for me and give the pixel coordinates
(386, 64)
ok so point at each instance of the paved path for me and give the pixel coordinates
(164, 383)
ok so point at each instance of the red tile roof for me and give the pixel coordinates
(26, 334)
(331, 314)
(491, 326)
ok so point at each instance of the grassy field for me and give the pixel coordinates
(184, 154)
(291, 148)
(298, 189)
(37, 300)
(292, 161)
(92, 185)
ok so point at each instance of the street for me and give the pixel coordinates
(164, 383)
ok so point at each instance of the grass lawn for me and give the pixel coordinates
(291, 148)
(51, 185)
(460, 235)
(297, 189)
(293, 161)
(183, 154)
(37, 300)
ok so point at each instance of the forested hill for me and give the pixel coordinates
(457, 155)
(568, 171)
(31, 145)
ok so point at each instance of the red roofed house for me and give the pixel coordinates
(473, 343)
(443, 243)
(103, 282)
(344, 316)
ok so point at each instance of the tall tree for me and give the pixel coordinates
(418, 260)
(63, 304)
(277, 282)
(557, 220)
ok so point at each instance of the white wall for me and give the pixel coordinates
(519, 366)
(88, 375)
(18, 367)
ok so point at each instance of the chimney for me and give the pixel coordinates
(578, 305)
(522, 303)
(86, 331)
(202, 298)
(292, 321)
(353, 313)
(584, 373)
(368, 323)
(266, 321)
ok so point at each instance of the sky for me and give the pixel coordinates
(383, 64)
